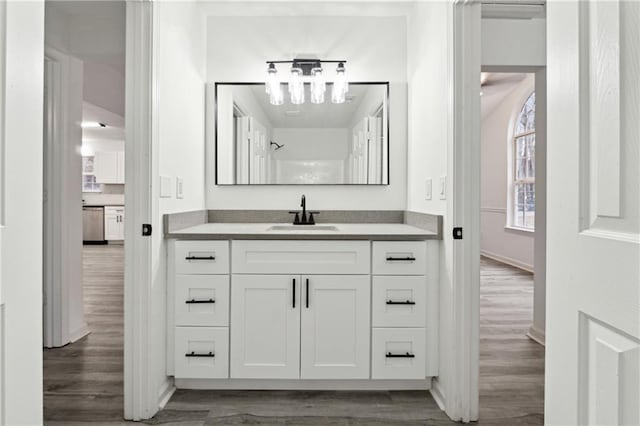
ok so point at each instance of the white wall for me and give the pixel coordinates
(514, 42)
(179, 46)
(375, 48)
(311, 144)
(515, 247)
(428, 75)
(21, 88)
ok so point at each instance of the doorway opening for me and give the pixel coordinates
(512, 244)
(84, 211)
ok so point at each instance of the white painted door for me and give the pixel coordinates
(265, 326)
(335, 327)
(111, 227)
(593, 215)
(120, 167)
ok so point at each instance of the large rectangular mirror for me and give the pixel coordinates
(258, 143)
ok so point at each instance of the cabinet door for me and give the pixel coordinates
(335, 329)
(265, 326)
(112, 227)
(121, 226)
(105, 167)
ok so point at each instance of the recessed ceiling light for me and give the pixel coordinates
(92, 125)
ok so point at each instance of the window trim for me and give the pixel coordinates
(511, 167)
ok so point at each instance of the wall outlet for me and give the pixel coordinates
(179, 188)
(166, 188)
(443, 187)
(427, 189)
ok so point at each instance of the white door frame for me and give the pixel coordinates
(140, 395)
(62, 247)
(463, 209)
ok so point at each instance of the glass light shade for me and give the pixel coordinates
(275, 95)
(271, 82)
(296, 86)
(318, 86)
(340, 86)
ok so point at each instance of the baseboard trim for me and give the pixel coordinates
(166, 392)
(536, 335)
(438, 394)
(270, 384)
(79, 333)
(509, 261)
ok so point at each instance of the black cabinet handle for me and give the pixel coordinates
(294, 293)
(406, 355)
(200, 258)
(307, 295)
(195, 355)
(195, 301)
(408, 302)
(401, 259)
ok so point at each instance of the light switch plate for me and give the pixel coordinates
(166, 188)
(179, 188)
(428, 189)
(443, 187)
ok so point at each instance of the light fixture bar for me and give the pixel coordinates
(310, 70)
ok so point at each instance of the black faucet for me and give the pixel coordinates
(303, 219)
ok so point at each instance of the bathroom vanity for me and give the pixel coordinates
(278, 306)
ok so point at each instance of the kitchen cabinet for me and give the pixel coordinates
(113, 223)
(109, 167)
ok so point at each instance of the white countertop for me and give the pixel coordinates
(345, 231)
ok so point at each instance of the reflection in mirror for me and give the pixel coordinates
(263, 144)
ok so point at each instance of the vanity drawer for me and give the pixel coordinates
(399, 257)
(399, 301)
(202, 300)
(201, 353)
(301, 257)
(202, 257)
(398, 353)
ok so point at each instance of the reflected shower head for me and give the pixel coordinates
(278, 146)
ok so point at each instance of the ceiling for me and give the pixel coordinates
(496, 87)
(114, 130)
(308, 115)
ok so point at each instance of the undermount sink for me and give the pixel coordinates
(302, 228)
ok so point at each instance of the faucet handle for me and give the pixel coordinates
(311, 221)
(296, 220)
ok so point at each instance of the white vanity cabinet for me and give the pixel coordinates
(302, 311)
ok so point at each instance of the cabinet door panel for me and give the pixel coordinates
(335, 327)
(111, 227)
(265, 327)
(105, 167)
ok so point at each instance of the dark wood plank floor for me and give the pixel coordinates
(83, 381)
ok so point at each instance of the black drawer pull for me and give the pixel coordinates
(401, 259)
(195, 355)
(200, 258)
(194, 301)
(293, 287)
(408, 302)
(407, 355)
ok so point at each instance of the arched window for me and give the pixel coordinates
(523, 206)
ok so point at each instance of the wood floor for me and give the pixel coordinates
(83, 381)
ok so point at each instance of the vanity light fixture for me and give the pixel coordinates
(296, 85)
(318, 86)
(306, 70)
(340, 85)
(272, 86)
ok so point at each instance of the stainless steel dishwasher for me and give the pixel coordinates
(93, 225)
